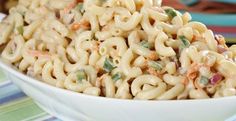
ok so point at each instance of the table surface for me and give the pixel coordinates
(16, 106)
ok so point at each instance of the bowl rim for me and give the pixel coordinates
(8, 68)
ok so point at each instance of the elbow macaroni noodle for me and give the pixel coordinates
(127, 49)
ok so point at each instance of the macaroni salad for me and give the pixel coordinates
(127, 49)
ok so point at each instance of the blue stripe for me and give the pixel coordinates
(12, 97)
(226, 1)
(227, 35)
(56, 120)
(10, 92)
(7, 90)
(5, 84)
(214, 19)
(52, 119)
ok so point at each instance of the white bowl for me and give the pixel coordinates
(72, 106)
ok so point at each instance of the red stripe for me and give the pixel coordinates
(223, 29)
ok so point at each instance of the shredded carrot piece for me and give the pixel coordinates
(153, 72)
(98, 82)
(153, 56)
(139, 5)
(83, 24)
(192, 72)
(75, 26)
(72, 5)
(192, 75)
(96, 46)
(185, 81)
(37, 53)
(194, 38)
(145, 64)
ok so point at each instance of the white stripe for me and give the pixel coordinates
(35, 116)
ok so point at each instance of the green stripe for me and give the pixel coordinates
(2, 76)
(36, 117)
(20, 110)
(231, 40)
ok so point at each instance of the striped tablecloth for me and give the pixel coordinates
(16, 106)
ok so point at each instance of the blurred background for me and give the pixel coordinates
(6, 4)
(218, 15)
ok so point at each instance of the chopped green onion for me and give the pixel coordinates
(181, 48)
(108, 66)
(116, 77)
(80, 7)
(171, 13)
(11, 51)
(204, 80)
(81, 75)
(22, 12)
(145, 44)
(185, 42)
(155, 65)
(20, 30)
